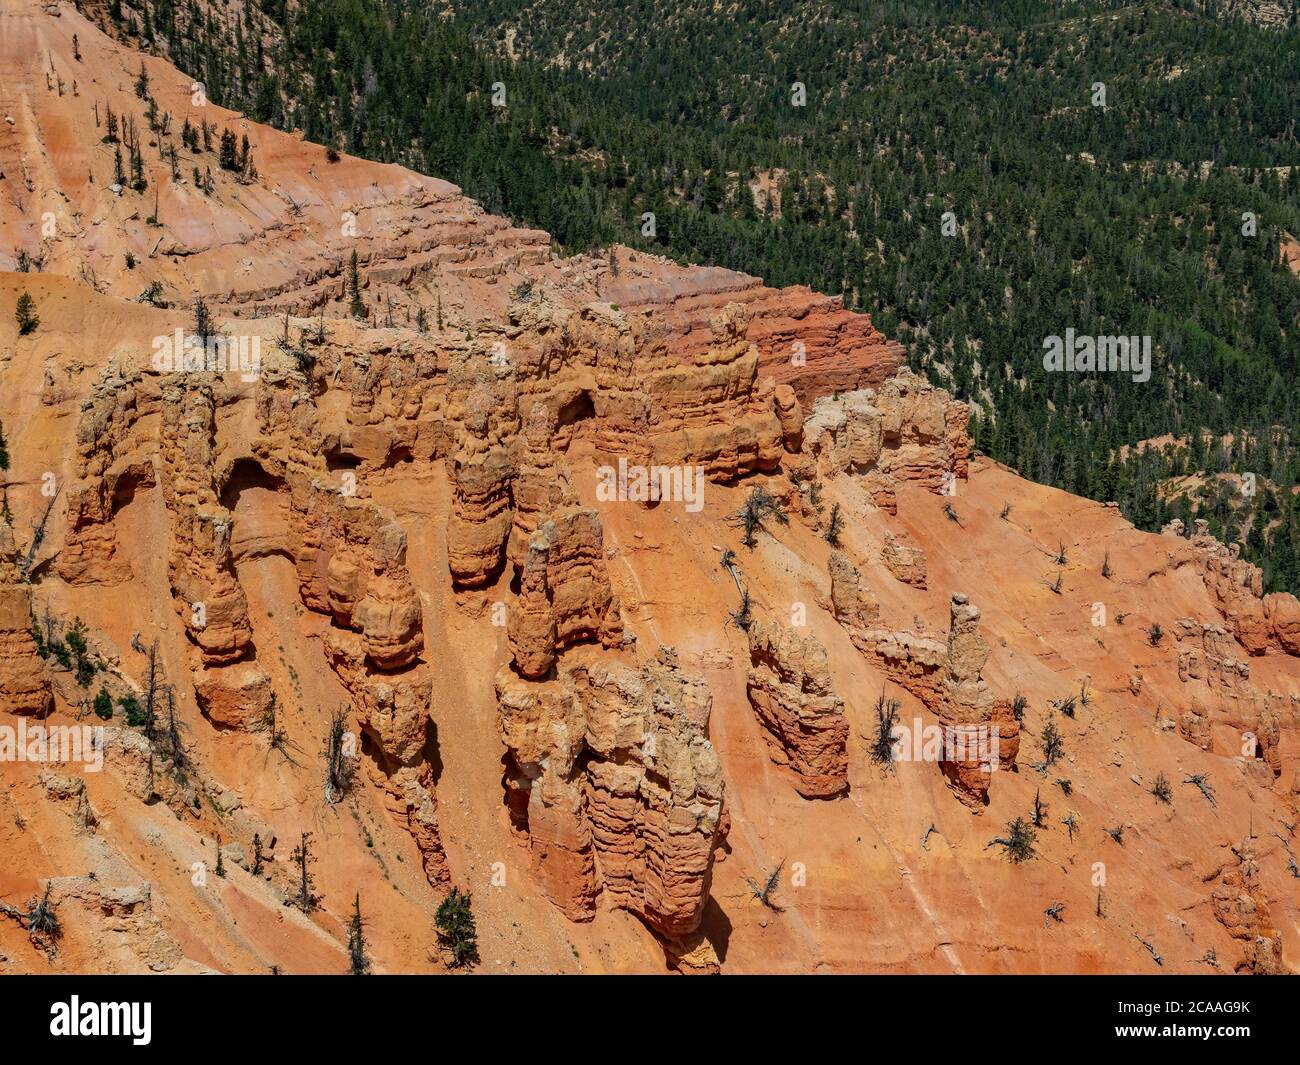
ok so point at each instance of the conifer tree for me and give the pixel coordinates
(25, 315)
(357, 307)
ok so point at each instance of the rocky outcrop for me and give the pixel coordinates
(236, 697)
(1245, 914)
(805, 340)
(616, 787)
(789, 412)
(1008, 734)
(199, 562)
(482, 466)
(1209, 655)
(1282, 616)
(565, 595)
(789, 686)
(852, 604)
(1259, 622)
(1226, 712)
(966, 712)
(24, 680)
(980, 732)
(904, 559)
(907, 430)
(108, 471)
(69, 792)
(392, 712)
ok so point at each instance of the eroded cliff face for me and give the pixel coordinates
(1260, 622)
(905, 430)
(789, 687)
(422, 509)
(24, 681)
(554, 376)
(966, 710)
(617, 788)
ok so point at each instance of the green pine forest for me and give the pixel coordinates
(1162, 213)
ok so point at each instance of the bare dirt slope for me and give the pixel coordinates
(551, 696)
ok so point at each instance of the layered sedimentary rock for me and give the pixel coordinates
(199, 562)
(901, 555)
(806, 340)
(616, 785)
(109, 468)
(914, 660)
(348, 555)
(554, 375)
(966, 711)
(1259, 622)
(350, 560)
(1008, 734)
(981, 733)
(906, 430)
(789, 687)
(24, 680)
(1243, 911)
(852, 602)
(789, 412)
(565, 595)
(597, 364)
(1227, 713)
(482, 465)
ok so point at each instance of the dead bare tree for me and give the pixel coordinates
(175, 749)
(279, 740)
(305, 898)
(1203, 785)
(151, 683)
(339, 766)
(38, 536)
(763, 893)
(1150, 949)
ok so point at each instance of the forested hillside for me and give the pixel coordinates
(1115, 169)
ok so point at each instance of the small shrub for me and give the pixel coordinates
(132, 709)
(103, 705)
(834, 526)
(1052, 742)
(42, 921)
(1202, 784)
(883, 742)
(759, 505)
(1018, 844)
(1162, 791)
